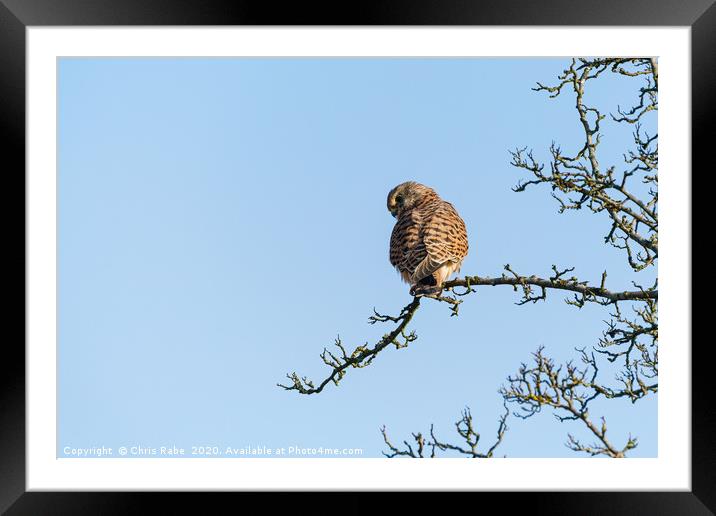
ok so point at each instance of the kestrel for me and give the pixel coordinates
(429, 240)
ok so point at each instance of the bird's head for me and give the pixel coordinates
(407, 195)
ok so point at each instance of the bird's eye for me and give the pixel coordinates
(399, 199)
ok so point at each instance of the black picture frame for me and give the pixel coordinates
(17, 15)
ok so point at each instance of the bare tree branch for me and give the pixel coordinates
(581, 179)
(580, 182)
(557, 282)
(465, 429)
(569, 390)
(361, 356)
(340, 360)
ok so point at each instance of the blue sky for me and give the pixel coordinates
(220, 221)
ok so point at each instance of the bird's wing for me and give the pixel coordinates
(406, 250)
(445, 239)
(414, 257)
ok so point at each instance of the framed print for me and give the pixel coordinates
(218, 197)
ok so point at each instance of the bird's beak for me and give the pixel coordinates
(394, 212)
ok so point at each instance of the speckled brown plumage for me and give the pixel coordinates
(429, 240)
